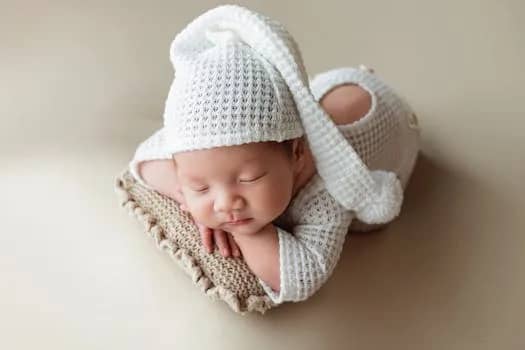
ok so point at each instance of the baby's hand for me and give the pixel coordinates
(223, 239)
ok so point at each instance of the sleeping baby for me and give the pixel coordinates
(270, 165)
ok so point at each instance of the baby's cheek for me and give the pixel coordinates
(200, 211)
(274, 202)
(194, 207)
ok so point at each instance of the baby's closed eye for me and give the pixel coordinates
(247, 180)
(253, 179)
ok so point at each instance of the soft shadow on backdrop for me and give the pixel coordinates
(83, 83)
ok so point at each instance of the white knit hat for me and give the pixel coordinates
(239, 78)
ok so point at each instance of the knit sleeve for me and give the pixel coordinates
(309, 254)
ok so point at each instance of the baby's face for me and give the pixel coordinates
(252, 181)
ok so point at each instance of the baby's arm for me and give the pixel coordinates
(261, 254)
(292, 266)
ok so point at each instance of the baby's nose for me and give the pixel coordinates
(228, 203)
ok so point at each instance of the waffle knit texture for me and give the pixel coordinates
(239, 77)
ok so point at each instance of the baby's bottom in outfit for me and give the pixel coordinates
(386, 134)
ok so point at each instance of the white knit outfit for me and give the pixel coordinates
(313, 228)
(239, 78)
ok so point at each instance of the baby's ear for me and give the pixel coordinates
(298, 149)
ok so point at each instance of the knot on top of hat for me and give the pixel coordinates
(220, 34)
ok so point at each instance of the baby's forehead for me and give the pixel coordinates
(249, 153)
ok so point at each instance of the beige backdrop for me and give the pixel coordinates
(82, 83)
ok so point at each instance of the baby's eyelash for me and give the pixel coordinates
(201, 190)
(252, 180)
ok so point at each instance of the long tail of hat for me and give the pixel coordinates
(375, 196)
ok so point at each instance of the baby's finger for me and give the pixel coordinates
(222, 242)
(236, 252)
(206, 237)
